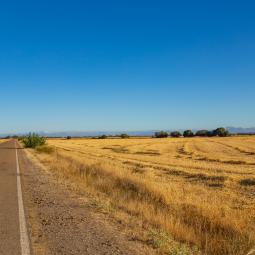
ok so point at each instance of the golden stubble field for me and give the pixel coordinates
(199, 192)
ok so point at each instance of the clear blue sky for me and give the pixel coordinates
(126, 65)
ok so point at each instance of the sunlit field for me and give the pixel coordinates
(198, 191)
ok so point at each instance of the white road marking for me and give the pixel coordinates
(24, 240)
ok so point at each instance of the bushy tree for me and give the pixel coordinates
(102, 137)
(175, 134)
(220, 132)
(68, 137)
(203, 132)
(33, 140)
(188, 133)
(161, 134)
(20, 138)
(123, 136)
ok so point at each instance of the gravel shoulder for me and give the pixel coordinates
(62, 221)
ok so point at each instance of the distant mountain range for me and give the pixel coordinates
(232, 130)
(240, 130)
(97, 133)
(85, 133)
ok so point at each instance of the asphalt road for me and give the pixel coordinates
(11, 209)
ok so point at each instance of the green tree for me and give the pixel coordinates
(161, 134)
(102, 137)
(222, 132)
(175, 134)
(188, 133)
(123, 136)
(203, 132)
(32, 140)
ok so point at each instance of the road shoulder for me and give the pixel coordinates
(62, 221)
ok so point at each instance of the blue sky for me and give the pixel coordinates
(126, 65)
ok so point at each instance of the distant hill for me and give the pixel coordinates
(96, 133)
(240, 130)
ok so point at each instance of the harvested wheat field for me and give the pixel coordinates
(193, 195)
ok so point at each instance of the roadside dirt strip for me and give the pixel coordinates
(60, 221)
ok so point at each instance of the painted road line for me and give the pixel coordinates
(24, 240)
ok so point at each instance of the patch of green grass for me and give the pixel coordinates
(161, 240)
(183, 250)
(158, 238)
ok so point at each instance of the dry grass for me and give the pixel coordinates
(197, 191)
(45, 149)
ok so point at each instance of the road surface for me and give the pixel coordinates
(42, 215)
(13, 232)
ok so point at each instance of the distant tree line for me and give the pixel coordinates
(123, 136)
(222, 132)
